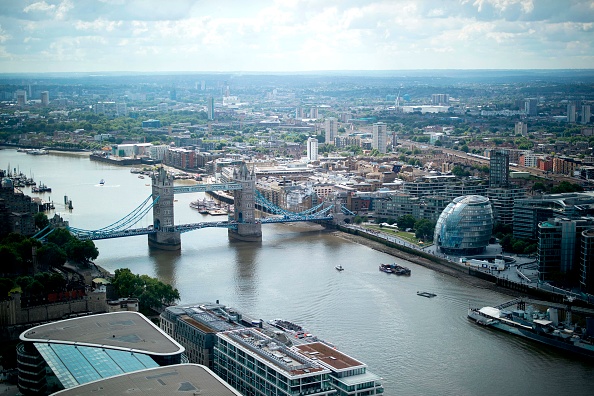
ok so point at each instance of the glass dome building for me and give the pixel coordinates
(464, 226)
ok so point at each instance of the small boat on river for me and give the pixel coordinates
(339, 268)
(394, 269)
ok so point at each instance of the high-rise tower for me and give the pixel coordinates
(331, 129)
(380, 137)
(312, 149)
(499, 168)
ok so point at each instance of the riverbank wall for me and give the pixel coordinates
(468, 275)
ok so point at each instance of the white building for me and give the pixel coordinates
(380, 136)
(312, 149)
(158, 152)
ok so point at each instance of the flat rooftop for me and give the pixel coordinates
(115, 330)
(183, 379)
(273, 354)
(328, 356)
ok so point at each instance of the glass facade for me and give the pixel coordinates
(465, 225)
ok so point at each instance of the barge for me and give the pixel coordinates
(542, 327)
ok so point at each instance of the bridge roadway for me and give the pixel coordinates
(207, 187)
(97, 235)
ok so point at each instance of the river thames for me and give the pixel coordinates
(419, 346)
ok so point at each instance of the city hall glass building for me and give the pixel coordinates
(465, 225)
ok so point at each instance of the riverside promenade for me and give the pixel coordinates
(519, 278)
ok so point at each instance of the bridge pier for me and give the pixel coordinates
(248, 229)
(163, 218)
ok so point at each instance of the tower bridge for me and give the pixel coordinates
(242, 225)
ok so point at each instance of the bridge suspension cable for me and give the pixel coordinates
(125, 222)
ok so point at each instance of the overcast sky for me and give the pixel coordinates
(294, 35)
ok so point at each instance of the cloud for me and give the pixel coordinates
(296, 35)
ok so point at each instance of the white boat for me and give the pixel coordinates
(101, 182)
(339, 268)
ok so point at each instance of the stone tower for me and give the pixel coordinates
(248, 229)
(163, 219)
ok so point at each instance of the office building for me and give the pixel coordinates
(67, 353)
(397, 205)
(380, 137)
(464, 226)
(265, 358)
(45, 98)
(502, 200)
(210, 108)
(331, 129)
(499, 168)
(587, 261)
(530, 107)
(185, 379)
(529, 212)
(312, 149)
(559, 249)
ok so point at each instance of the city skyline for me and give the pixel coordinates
(294, 36)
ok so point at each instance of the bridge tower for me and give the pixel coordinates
(163, 221)
(248, 229)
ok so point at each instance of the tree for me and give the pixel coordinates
(150, 291)
(424, 229)
(406, 221)
(566, 186)
(51, 255)
(6, 285)
(81, 251)
(539, 186)
(60, 237)
(41, 220)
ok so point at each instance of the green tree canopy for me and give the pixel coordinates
(424, 229)
(150, 292)
(406, 221)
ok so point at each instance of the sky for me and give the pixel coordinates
(294, 35)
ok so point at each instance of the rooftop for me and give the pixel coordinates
(126, 330)
(183, 379)
(273, 354)
(329, 356)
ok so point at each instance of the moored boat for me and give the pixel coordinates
(394, 269)
(42, 188)
(542, 327)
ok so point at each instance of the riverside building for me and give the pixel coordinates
(529, 212)
(260, 358)
(67, 353)
(465, 225)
